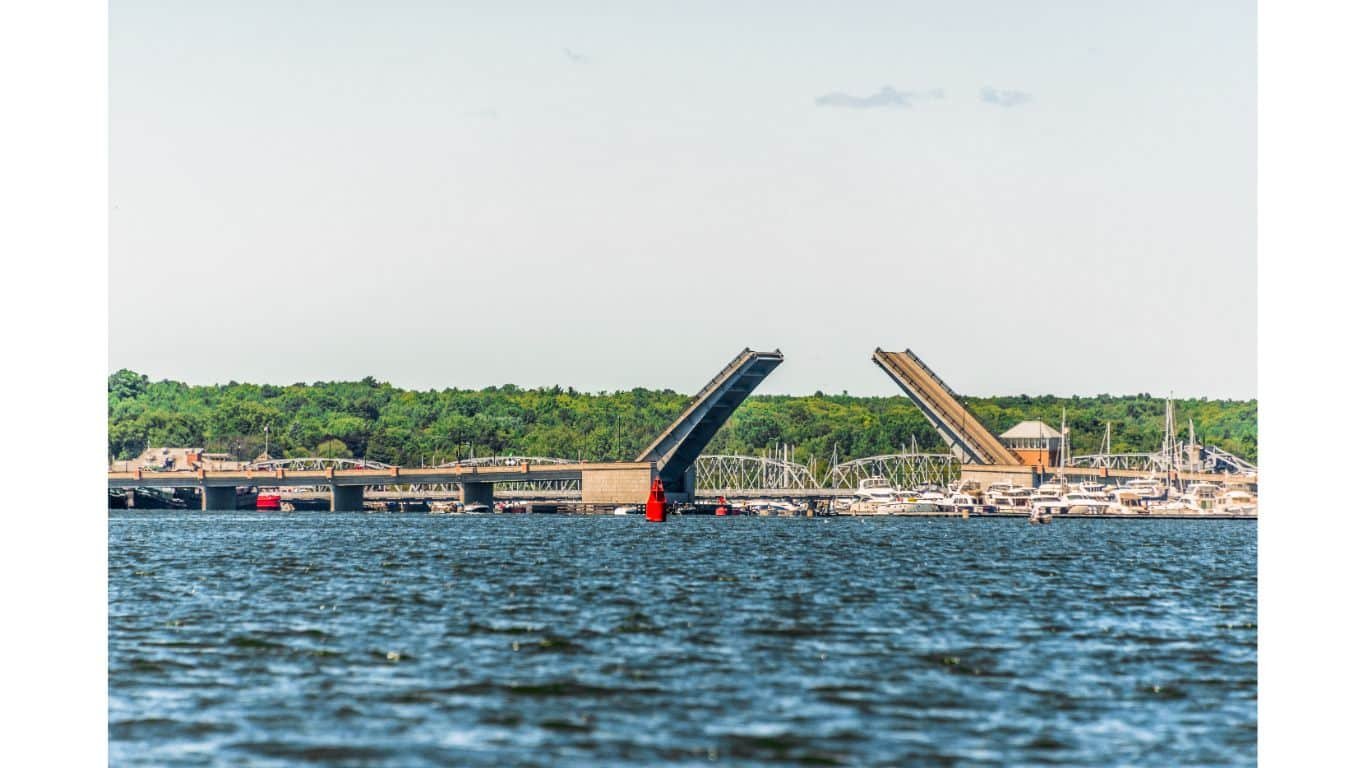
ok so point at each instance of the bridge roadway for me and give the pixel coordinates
(676, 449)
(601, 483)
(966, 437)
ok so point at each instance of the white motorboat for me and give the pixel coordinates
(1236, 501)
(1046, 504)
(1201, 497)
(875, 496)
(875, 489)
(1127, 502)
(1052, 489)
(1148, 489)
(1083, 503)
(1010, 497)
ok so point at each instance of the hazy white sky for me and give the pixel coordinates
(1040, 197)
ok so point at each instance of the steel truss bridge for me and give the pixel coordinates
(747, 475)
(734, 474)
(901, 470)
(1211, 460)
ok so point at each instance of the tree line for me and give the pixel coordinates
(374, 420)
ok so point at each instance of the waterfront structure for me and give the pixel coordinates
(1036, 443)
(1021, 457)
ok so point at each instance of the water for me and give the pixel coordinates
(341, 639)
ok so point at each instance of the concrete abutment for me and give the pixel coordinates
(348, 498)
(218, 498)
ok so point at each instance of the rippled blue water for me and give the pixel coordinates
(351, 639)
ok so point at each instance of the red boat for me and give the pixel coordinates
(268, 502)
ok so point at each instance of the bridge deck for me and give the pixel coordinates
(677, 448)
(965, 435)
(351, 477)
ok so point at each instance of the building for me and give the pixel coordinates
(177, 460)
(1036, 443)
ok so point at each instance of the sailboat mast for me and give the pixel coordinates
(1191, 453)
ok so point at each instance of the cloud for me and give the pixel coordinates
(1005, 98)
(577, 58)
(887, 97)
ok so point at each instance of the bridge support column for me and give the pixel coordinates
(217, 498)
(348, 498)
(477, 493)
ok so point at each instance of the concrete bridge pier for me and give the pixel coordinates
(348, 498)
(218, 498)
(477, 493)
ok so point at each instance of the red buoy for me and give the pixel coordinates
(655, 509)
(721, 510)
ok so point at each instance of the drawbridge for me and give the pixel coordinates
(676, 450)
(966, 436)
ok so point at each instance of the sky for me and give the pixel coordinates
(1035, 197)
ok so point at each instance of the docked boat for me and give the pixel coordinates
(1236, 501)
(148, 498)
(962, 502)
(939, 500)
(628, 509)
(1147, 489)
(1176, 506)
(1047, 504)
(1127, 502)
(1010, 497)
(875, 496)
(875, 489)
(1201, 497)
(1085, 503)
(1052, 489)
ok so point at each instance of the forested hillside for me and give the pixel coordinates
(371, 419)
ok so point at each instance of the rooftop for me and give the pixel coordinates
(1027, 430)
